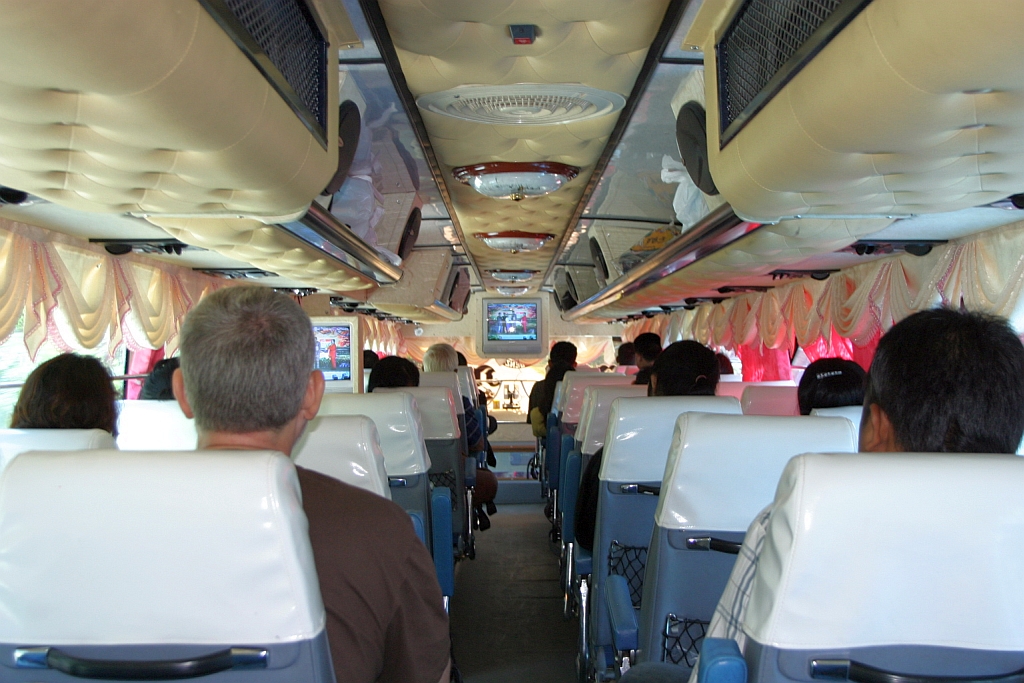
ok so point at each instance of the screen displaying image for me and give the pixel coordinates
(511, 321)
(334, 351)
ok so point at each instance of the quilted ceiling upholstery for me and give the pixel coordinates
(442, 44)
(902, 113)
(150, 108)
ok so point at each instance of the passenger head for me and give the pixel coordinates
(413, 372)
(686, 368)
(463, 363)
(647, 347)
(626, 354)
(391, 372)
(724, 364)
(370, 359)
(440, 358)
(67, 392)
(945, 381)
(831, 383)
(247, 358)
(157, 386)
(562, 353)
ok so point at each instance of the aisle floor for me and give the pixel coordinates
(507, 611)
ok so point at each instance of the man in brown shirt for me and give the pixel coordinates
(245, 376)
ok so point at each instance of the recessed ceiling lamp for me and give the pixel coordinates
(515, 180)
(522, 104)
(512, 275)
(512, 291)
(514, 241)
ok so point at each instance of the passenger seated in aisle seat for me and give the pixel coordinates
(370, 359)
(246, 359)
(724, 364)
(941, 381)
(647, 347)
(444, 358)
(67, 392)
(625, 359)
(831, 383)
(686, 368)
(391, 372)
(157, 386)
(561, 360)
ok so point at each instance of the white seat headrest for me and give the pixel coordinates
(398, 426)
(445, 379)
(597, 404)
(577, 382)
(467, 384)
(640, 432)
(722, 469)
(154, 426)
(735, 388)
(851, 413)
(345, 447)
(17, 441)
(437, 410)
(559, 400)
(204, 547)
(769, 400)
(893, 549)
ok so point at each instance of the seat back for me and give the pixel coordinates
(154, 426)
(448, 380)
(635, 453)
(345, 447)
(436, 406)
(467, 384)
(397, 418)
(559, 400)
(899, 591)
(735, 388)
(851, 413)
(158, 556)
(14, 442)
(597, 405)
(721, 472)
(577, 382)
(770, 400)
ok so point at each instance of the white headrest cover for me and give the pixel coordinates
(559, 400)
(467, 384)
(345, 447)
(398, 426)
(767, 400)
(154, 426)
(577, 382)
(640, 433)
(735, 388)
(114, 547)
(722, 469)
(16, 441)
(893, 549)
(445, 379)
(597, 404)
(851, 413)
(437, 410)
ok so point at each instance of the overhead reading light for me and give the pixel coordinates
(515, 180)
(512, 291)
(514, 241)
(512, 275)
(522, 104)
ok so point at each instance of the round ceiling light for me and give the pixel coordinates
(512, 291)
(522, 104)
(514, 241)
(512, 275)
(515, 180)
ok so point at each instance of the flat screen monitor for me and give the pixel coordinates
(513, 327)
(338, 353)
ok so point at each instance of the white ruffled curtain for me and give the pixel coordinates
(383, 337)
(75, 294)
(983, 274)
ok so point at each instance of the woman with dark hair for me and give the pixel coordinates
(392, 371)
(67, 392)
(831, 383)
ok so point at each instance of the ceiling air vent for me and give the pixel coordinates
(523, 104)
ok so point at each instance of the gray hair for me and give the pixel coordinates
(246, 357)
(440, 358)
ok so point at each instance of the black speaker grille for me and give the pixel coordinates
(292, 40)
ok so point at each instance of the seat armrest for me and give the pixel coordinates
(721, 662)
(583, 561)
(623, 617)
(441, 518)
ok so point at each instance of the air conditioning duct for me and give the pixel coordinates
(563, 294)
(582, 282)
(429, 287)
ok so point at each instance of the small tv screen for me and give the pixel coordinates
(334, 351)
(511, 321)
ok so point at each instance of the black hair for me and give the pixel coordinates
(685, 368)
(413, 372)
(157, 385)
(370, 359)
(626, 354)
(830, 383)
(554, 376)
(462, 359)
(562, 353)
(724, 364)
(950, 382)
(391, 371)
(647, 346)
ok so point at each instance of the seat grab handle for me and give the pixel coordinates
(849, 670)
(715, 544)
(131, 670)
(640, 488)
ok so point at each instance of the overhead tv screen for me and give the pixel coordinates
(512, 327)
(334, 351)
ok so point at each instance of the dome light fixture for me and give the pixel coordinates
(515, 180)
(512, 275)
(522, 104)
(515, 241)
(512, 291)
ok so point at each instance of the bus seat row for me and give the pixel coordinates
(14, 442)
(204, 575)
